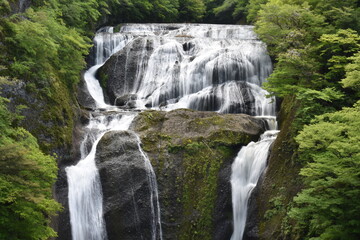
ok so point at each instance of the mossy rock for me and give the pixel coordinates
(189, 149)
(281, 181)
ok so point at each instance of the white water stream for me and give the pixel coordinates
(204, 67)
(85, 194)
(246, 171)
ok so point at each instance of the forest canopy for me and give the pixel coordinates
(315, 46)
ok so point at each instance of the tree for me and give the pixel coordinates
(327, 208)
(165, 10)
(352, 79)
(43, 49)
(191, 10)
(252, 9)
(335, 52)
(26, 178)
(231, 10)
(293, 26)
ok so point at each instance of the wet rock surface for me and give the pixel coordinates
(169, 138)
(119, 74)
(125, 186)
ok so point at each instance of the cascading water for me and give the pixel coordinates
(246, 171)
(85, 194)
(106, 44)
(204, 67)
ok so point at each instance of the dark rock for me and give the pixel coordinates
(19, 5)
(223, 222)
(131, 104)
(61, 223)
(188, 46)
(251, 231)
(83, 96)
(121, 69)
(166, 136)
(125, 184)
(281, 180)
(124, 100)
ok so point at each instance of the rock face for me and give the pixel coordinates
(125, 185)
(267, 218)
(19, 6)
(192, 153)
(83, 96)
(118, 75)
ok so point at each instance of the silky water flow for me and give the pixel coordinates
(199, 66)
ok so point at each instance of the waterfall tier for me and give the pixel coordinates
(160, 66)
(202, 67)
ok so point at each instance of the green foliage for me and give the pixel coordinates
(328, 206)
(26, 178)
(335, 51)
(293, 26)
(316, 47)
(191, 10)
(4, 7)
(340, 14)
(314, 102)
(352, 79)
(165, 10)
(294, 68)
(81, 14)
(53, 52)
(226, 12)
(253, 8)
(143, 11)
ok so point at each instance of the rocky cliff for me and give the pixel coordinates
(191, 153)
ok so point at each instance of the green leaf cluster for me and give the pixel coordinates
(328, 206)
(42, 49)
(26, 178)
(310, 53)
(315, 45)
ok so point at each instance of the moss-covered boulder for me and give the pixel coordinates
(191, 153)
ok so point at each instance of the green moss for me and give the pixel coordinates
(202, 164)
(193, 163)
(202, 161)
(228, 138)
(201, 123)
(283, 169)
(150, 118)
(103, 78)
(54, 121)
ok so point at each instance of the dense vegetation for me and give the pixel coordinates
(26, 178)
(315, 45)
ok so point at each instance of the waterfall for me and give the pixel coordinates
(247, 168)
(106, 43)
(85, 194)
(199, 66)
(169, 66)
(155, 210)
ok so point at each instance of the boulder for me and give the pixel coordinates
(119, 74)
(83, 96)
(125, 185)
(192, 153)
